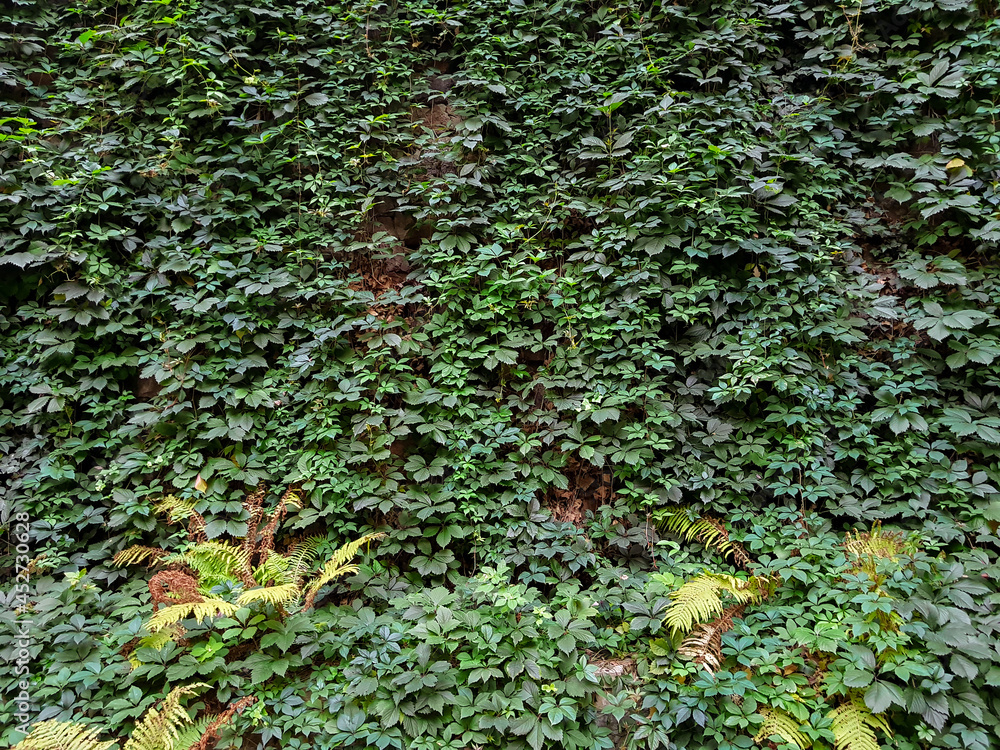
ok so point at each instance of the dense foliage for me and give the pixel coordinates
(658, 339)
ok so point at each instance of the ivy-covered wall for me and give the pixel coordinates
(545, 291)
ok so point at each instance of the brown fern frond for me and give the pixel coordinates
(704, 645)
(741, 557)
(253, 506)
(196, 528)
(267, 535)
(170, 587)
(290, 497)
(211, 734)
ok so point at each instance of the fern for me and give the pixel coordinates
(62, 735)
(704, 645)
(292, 497)
(780, 724)
(155, 641)
(303, 555)
(869, 547)
(704, 529)
(184, 589)
(699, 599)
(854, 727)
(198, 610)
(214, 562)
(137, 554)
(160, 638)
(275, 570)
(338, 565)
(219, 562)
(160, 729)
(274, 595)
(695, 601)
(684, 524)
(210, 731)
(175, 508)
(193, 732)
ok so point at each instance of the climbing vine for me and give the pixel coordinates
(591, 309)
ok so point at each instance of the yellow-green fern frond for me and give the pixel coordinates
(275, 569)
(338, 565)
(274, 595)
(175, 508)
(300, 558)
(293, 497)
(62, 735)
(161, 638)
(349, 550)
(192, 733)
(780, 724)
(682, 522)
(708, 531)
(877, 543)
(215, 562)
(138, 554)
(700, 600)
(156, 641)
(160, 727)
(854, 727)
(696, 601)
(198, 610)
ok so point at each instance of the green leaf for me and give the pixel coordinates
(965, 319)
(603, 415)
(536, 737)
(899, 423)
(963, 667)
(365, 686)
(566, 643)
(899, 193)
(857, 678)
(350, 719)
(881, 695)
